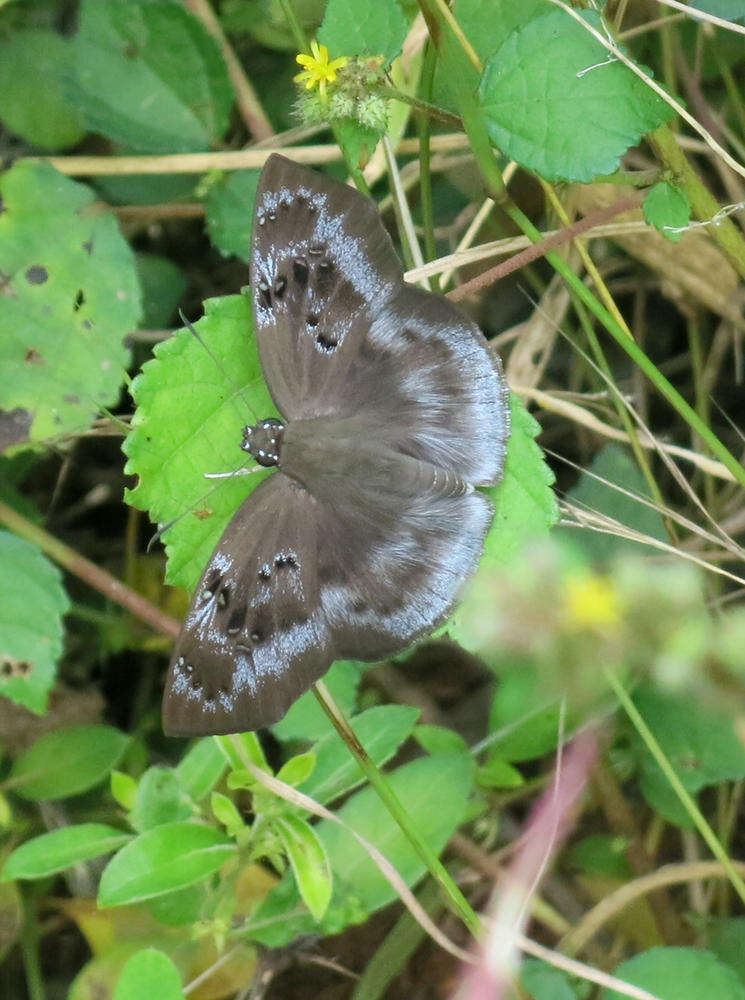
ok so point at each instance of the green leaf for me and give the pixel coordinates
(67, 761)
(192, 405)
(730, 10)
(564, 126)
(679, 974)
(298, 768)
(309, 862)
(70, 295)
(33, 105)
(227, 813)
(201, 768)
(602, 854)
(161, 860)
(149, 974)
(524, 500)
(726, 938)
(306, 720)
(497, 773)
(230, 211)
(667, 208)
(60, 849)
(358, 27)
(528, 727)
(124, 789)
(700, 742)
(439, 740)
(486, 25)
(148, 75)
(236, 746)
(160, 799)
(32, 603)
(544, 982)
(380, 730)
(163, 284)
(434, 789)
(613, 464)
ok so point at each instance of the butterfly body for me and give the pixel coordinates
(393, 412)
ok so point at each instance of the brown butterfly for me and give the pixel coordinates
(393, 411)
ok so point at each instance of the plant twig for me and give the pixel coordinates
(247, 100)
(91, 574)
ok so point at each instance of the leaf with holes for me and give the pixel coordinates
(554, 102)
(32, 603)
(149, 76)
(69, 296)
(193, 400)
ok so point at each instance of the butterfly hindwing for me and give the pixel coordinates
(255, 637)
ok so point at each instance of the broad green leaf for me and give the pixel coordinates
(358, 27)
(149, 974)
(564, 126)
(32, 603)
(434, 790)
(524, 501)
(679, 974)
(239, 747)
(201, 768)
(306, 720)
(528, 728)
(70, 295)
(309, 862)
(148, 75)
(60, 849)
(161, 860)
(160, 799)
(230, 211)
(124, 789)
(67, 761)
(667, 208)
(162, 284)
(192, 405)
(298, 768)
(497, 773)
(33, 105)
(700, 742)
(380, 730)
(726, 938)
(438, 740)
(544, 982)
(486, 25)
(226, 812)
(602, 854)
(613, 464)
(176, 909)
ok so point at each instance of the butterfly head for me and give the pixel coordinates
(264, 441)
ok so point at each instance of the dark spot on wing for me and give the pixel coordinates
(236, 621)
(279, 286)
(312, 319)
(327, 343)
(36, 274)
(286, 559)
(409, 335)
(265, 294)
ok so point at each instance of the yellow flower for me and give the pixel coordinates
(591, 601)
(318, 70)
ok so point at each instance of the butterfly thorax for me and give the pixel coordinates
(264, 441)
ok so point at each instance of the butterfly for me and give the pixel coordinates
(393, 411)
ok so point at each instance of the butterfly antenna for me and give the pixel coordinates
(240, 471)
(220, 367)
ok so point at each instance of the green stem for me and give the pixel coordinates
(455, 898)
(667, 769)
(31, 964)
(425, 174)
(424, 107)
